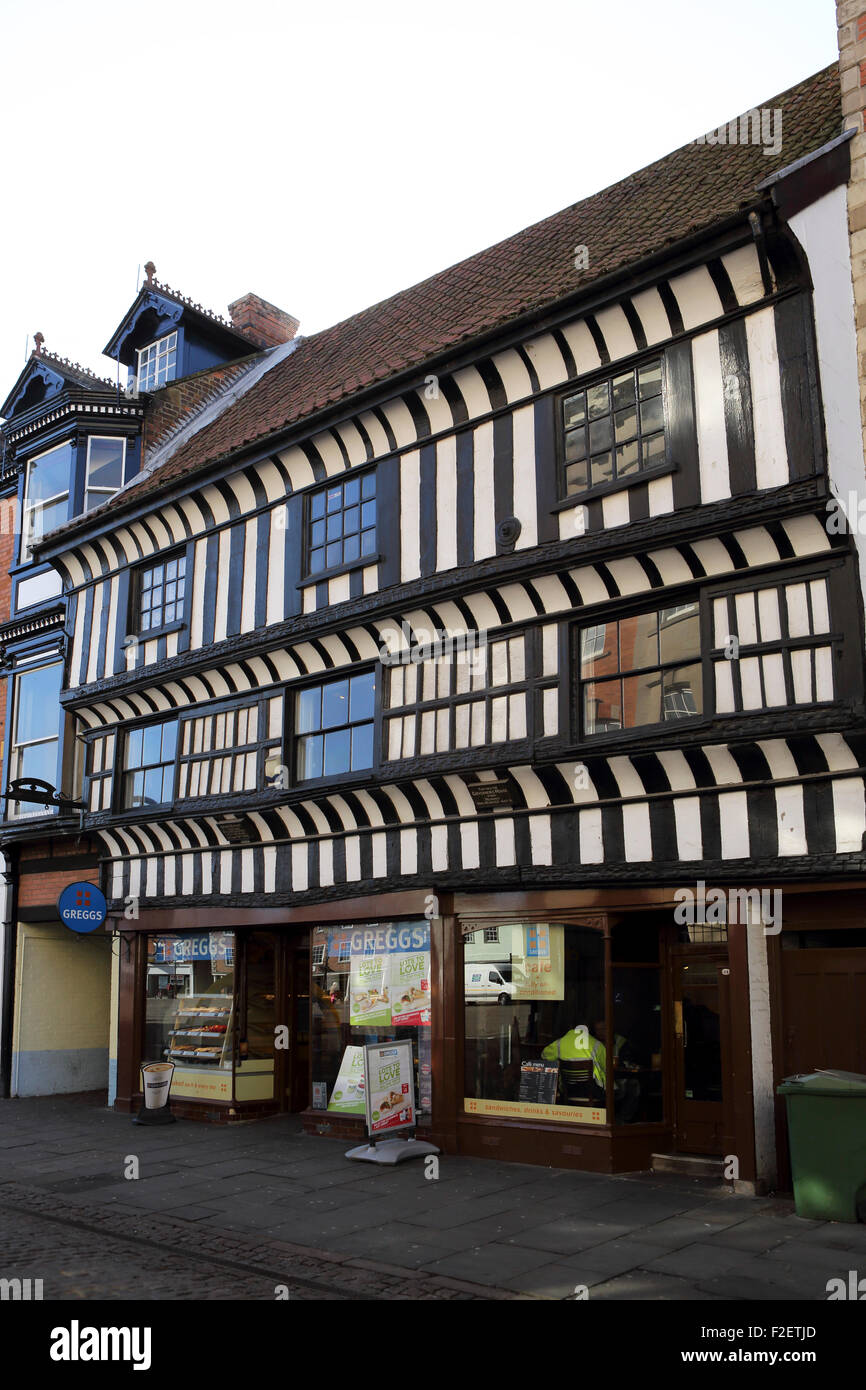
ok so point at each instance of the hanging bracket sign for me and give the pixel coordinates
(82, 907)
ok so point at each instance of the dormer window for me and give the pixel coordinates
(106, 461)
(157, 363)
(46, 495)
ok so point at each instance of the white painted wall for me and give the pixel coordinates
(822, 230)
(762, 1054)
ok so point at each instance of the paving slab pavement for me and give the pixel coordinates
(278, 1200)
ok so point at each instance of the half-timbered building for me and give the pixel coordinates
(488, 669)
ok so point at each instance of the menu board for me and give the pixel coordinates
(348, 1093)
(538, 1082)
(389, 1091)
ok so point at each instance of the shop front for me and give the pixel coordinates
(542, 1032)
(596, 1040)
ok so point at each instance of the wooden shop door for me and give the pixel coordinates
(701, 1029)
(293, 1061)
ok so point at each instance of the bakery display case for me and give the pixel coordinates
(202, 1032)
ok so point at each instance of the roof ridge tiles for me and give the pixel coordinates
(160, 287)
(72, 366)
(642, 217)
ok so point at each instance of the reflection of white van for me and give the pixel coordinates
(486, 982)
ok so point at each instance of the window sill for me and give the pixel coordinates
(155, 632)
(340, 779)
(609, 489)
(334, 573)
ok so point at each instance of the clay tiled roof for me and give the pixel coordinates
(690, 191)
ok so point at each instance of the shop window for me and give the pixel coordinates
(341, 524)
(645, 670)
(157, 363)
(637, 938)
(106, 463)
(158, 595)
(637, 1044)
(47, 487)
(148, 764)
(373, 984)
(613, 431)
(781, 641)
(190, 1011)
(37, 720)
(825, 939)
(464, 695)
(702, 933)
(334, 727)
(534, 1010)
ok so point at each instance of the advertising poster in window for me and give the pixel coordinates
(539, 972)
(389, 980)
(389, 1088)
(348, 1093)
(369, 1000)
(410, 977)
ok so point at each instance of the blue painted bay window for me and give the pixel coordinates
(36, 723)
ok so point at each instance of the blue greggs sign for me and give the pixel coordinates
(82, 907)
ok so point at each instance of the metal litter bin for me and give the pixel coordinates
(827, 1132)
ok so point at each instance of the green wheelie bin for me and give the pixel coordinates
(827, 1133)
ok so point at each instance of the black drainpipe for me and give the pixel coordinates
(7, 1005)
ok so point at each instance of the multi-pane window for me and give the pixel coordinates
(334, 727)
(46, 495)
(148, 764)
(100, 766)
(492, 679)
(645, 670)
(229, 751)
(341, 523)
(160, 593)
(614, 429)
(772, 647)
(36, 731)
(106, 458)
(157, 363)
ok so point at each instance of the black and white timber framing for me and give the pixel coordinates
(767, 782)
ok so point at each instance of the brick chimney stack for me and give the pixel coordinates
(851, 25)
(263, 323)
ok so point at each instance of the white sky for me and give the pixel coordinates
(328, 155)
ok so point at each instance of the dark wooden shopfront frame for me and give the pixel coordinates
(133, 968)
(599, 1148)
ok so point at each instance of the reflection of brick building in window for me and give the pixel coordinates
(642, 670)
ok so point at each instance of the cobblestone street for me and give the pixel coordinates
(233, 1213)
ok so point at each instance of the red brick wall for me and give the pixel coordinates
(263, 323)
(172, 402)
(44, 885)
